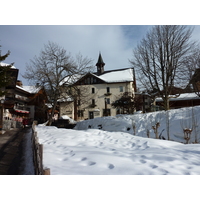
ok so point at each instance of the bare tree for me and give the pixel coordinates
(56, 70)
(158, 58)
(192, 62)
(192, 74)
(80, 98)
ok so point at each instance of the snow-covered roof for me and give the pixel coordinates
(67, 99)
(5, 64)
(182, 97)
(121, 75)
(30, 89)
(70, 79)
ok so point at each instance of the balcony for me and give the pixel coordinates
(107, 94)
(22, 109)
(92, 106)
(21, 98)
(9, 100)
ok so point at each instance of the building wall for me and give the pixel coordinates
(85, 108)
(181, 103)
(67, 108)
(99, 97)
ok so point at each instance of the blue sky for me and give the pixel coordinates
(115, 42)
(112, 27)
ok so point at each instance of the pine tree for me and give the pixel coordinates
(4, 73)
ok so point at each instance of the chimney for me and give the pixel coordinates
(19, 83)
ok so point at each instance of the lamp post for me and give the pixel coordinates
(1, 116)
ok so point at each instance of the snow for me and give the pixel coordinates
(118, 76)
(5, 64)
(110, 148)
(182, 97)
(67, 99)
(178, 120)
(30, 89)
(71, 121)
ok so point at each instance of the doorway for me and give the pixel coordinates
(91, 115)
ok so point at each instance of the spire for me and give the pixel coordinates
(100, 65)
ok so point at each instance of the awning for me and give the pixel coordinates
(21, 111)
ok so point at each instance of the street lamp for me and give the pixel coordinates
(1, 116)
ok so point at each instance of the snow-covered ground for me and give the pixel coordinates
(178, 120)
(109, 147)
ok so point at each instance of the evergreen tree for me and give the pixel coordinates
(126, 103)
(4, 73)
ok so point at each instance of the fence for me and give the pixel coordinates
(38, 154)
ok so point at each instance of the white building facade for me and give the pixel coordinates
(98, 91)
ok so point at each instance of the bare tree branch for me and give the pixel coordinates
(56, 70)
(158, 58)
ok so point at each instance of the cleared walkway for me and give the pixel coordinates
(13, 149)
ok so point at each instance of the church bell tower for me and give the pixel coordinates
(100, 65)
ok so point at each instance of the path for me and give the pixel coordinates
(12, 150)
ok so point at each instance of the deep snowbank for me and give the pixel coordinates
(97, 152)
(178, 120)
(115, 150)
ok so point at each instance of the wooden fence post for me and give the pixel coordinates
(38, 154)
(40, 146)
(46, 171)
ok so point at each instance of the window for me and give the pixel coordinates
(69, 91)
(108, 100)
(80, 113)
(118, 111)
(88, 80)
(93, 101)
(93, 90)
(79, 102)
(120, 88)
(108, 89)
(106, 112)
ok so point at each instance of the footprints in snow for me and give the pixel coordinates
(87, 163)
(143, 161)
(111, 166)
(91, 163)
(153, 166)
(84, 158)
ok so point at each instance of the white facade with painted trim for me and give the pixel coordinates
(101, 89)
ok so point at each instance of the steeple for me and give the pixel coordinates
(100, 65)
